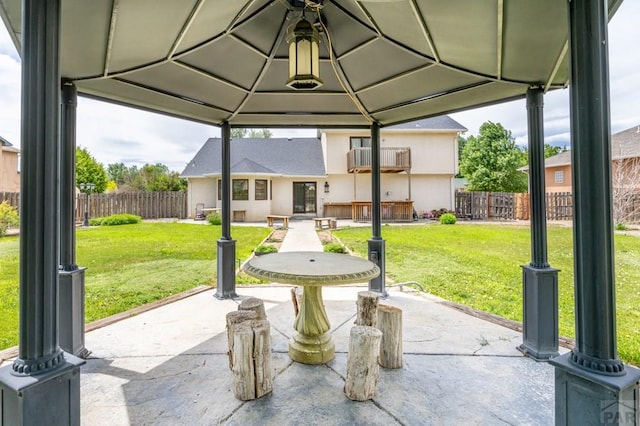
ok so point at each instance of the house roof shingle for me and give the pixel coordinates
(276, 156)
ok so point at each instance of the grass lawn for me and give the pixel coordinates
(479, 266)
(129, 265)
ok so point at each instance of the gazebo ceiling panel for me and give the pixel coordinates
(485, 94)
(87, 18)
(345, 30)
(214, 58)
(467, 39)
(178, 81)
(400, 60)
(209, 20)
(128, 94)
(302, 120)
(264, 28)
(143, 31)
(421, 84)
(544, 49)
(378, 61)
(412, 33)
(327, 103)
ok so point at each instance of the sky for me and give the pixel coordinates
(114, 134)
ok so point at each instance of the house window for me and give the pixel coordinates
(271, 190)
(359, 142)
(240, 189)
(261, 189)
(219, 189)
(559, 176)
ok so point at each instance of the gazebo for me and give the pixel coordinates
(312, 63)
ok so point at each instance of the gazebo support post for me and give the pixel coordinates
(592, 384)
(539, 281)
(43, 382)
(226, 286)
(71, 277)
(376, 243)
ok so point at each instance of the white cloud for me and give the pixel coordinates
(118, 134)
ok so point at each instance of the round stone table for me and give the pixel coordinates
(312, 344)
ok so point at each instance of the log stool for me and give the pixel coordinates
(390, 324)
(362, 363)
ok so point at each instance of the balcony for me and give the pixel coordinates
(392, 160)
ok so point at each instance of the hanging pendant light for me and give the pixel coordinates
(304, 57)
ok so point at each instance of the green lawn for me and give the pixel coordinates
(129, 265)
(479, 266)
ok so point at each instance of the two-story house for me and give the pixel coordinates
(9, 167)
(331, 175)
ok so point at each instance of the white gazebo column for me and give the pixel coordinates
(592, 385)
(43, 382)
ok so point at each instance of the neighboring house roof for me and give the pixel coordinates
(7, 146)
(276, 156)
(624, 144)
(562, 159)
(443, 122)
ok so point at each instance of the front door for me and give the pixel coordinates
(304, 197)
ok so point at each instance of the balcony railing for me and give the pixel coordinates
(392, 160)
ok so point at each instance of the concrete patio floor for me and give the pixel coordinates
(169, 366)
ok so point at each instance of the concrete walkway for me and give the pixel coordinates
(301, 236)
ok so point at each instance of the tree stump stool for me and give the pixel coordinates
(253, 304)
(367, 308)
(390, 324)
(252, 360)
(362, 363)
(233, 319)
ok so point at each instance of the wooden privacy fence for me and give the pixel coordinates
(511, 206)
(148, 205)
(13, 198)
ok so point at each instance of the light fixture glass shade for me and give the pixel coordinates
(304, 56)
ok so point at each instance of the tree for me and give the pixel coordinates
(461, 143)
(238, 133)
(625, 179)
(549, 151)
(88, 170)
(260, 133)
(157, 177)
(491, 160)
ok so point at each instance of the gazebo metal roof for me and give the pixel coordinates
(399, 60)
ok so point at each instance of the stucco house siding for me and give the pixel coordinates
(9, 175)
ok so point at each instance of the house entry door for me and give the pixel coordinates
(304, 197)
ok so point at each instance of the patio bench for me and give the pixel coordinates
(331, 222)
(272, 217)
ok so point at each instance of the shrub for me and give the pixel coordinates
(334, 248)
(214, 218)
(116, 219)
(265, 249)
(621, 227)
(8, 217)
(447, 219)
